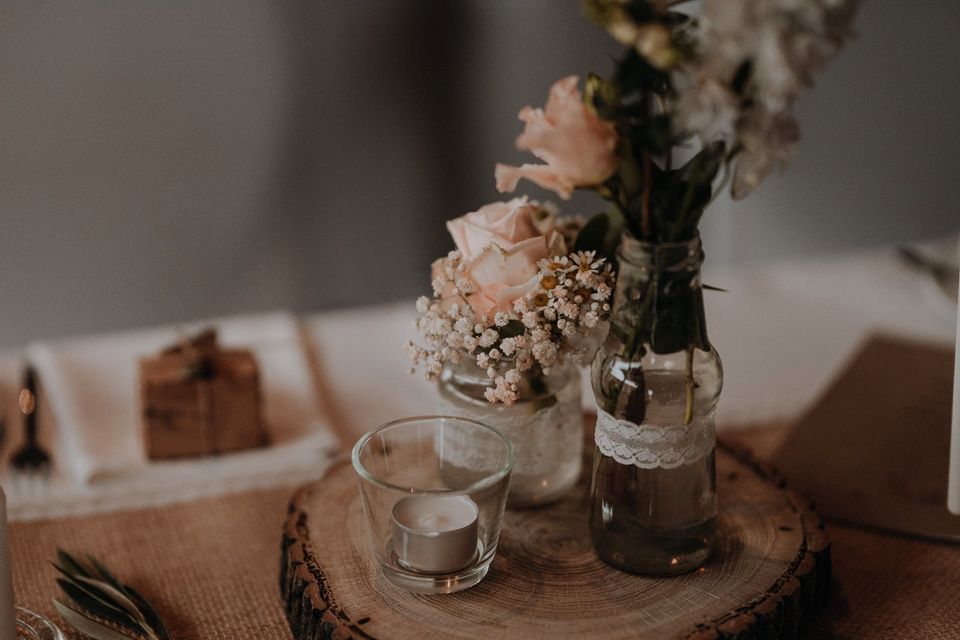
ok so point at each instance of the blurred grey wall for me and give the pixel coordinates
(161, 161)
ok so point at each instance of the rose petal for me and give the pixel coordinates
(540, 174)
(505, 296)
(477, 239)
(496, 265)
(510, 221)
(505, 223)
(579, 148)
(455, 227)
(482, 304)
(556, 246)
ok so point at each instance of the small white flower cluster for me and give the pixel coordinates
(777, 46)
(571, 300)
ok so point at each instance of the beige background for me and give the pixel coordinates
(162, 161)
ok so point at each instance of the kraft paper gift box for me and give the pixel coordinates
(201, 400)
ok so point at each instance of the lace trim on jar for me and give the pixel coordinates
(651, 446)
(542, 439)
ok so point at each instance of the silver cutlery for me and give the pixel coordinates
(31, 464)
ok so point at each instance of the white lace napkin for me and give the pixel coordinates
(89, 390)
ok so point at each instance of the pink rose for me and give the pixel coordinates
(578, 147)
(501, 244)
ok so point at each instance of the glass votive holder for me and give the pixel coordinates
(434, 519)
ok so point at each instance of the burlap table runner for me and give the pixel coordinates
(211, 567)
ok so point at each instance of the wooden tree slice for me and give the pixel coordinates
(769, 573)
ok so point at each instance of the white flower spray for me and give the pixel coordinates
(545, 326)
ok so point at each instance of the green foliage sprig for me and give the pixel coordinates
(98, 605)
(650, 196)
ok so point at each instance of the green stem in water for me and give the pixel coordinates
(645, 202)
(688, 411)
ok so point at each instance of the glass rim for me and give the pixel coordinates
(482, 483)
(671, 244)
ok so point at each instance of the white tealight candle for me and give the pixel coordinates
(8, 622)
(435, 534)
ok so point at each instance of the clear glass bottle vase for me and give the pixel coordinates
(657, 381)
(545, 425)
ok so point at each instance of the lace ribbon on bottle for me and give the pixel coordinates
(651, 446)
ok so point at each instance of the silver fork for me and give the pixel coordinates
(31, 464)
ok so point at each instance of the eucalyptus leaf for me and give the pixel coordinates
(92, 591)
(593, 235)
(104, 573)
(602, 95)
(117, 596)
(70, 565)
(693, 185)
(95, 606)
(92, 627)
(153, 618)
(512, 329)
(101, 606)
(634, 75)
(601, 234)
(712, 288)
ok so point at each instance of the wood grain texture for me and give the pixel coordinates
(769, 574)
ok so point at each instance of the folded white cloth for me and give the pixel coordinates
(91, 388)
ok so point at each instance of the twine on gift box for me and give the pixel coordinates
(200, 370)
(201, 365)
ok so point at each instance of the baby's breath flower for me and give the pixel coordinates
(488, 338)
(545, 352)
(567, 302)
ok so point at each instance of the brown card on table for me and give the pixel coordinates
(874, 449)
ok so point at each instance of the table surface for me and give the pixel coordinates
(212, 568)
(783, 332)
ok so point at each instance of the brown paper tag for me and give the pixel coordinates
(874, 450)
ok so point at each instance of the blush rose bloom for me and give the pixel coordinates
(501, 244)
(578, 147)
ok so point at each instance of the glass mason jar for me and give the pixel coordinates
(545, 425)
(657, 381)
